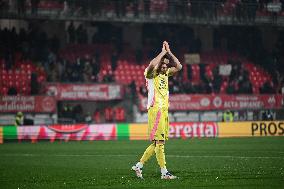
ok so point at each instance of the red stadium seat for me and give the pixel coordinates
(108, 112)
(4, 90)
(119, 114)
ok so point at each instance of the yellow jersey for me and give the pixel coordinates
(158, 89)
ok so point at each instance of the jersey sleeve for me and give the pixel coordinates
(150, 75)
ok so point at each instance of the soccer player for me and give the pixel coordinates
(156, 75)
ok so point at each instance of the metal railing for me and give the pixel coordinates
(159, 11)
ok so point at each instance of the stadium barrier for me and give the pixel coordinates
(248, 129)
(124, 131)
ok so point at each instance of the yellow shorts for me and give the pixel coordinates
(158, 123)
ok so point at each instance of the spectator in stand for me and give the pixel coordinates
(143, 91)
(71, 32)
(34, 84)
(75, 76)
(12, 91)
(275, 11)
(61, 67)
(97, 116)
(267, 88)
(96, 66)
(87, 74)
(119, 114)
(88, 118)
(132, 91)
(67, 111)
(147, 7)
(66, 77)
(189, 72)
(108, 78)
(119, 8)
(217, 81)
(53, 73)
(4, 5)
(78, 114)
(207, 83)
(188, 88)
(78, 68)
(65, 10)
(21, 6)
(108, 114)
(267, 115)
(232, 88)
(114, 59)
(252, 8)
(81, 35)
(241, 81)
(136, 5)
(51, 61)
(279, 81)
(245, 87)
(34, 5)
(176, 84)
(205, 88)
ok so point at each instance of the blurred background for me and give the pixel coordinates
(69, 62)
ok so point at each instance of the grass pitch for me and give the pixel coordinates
(199, 163)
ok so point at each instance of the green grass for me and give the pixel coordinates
(199, 163)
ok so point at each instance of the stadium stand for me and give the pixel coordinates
(235, 64)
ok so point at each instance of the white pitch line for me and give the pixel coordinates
(238, 157)
(130, 155)
(255, 151)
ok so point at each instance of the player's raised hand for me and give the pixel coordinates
(167, 46)
(164, 48)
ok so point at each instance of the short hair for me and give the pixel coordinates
(162, 62)
(166, 56)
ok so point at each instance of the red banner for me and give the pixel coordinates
(39, 104)
(85, 91)
(220, 102)
(68, 132)
(190, 130)
(67, 128)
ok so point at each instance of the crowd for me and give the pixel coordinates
(74, 113)
(60, 64)
(241, 10)
(34, 45)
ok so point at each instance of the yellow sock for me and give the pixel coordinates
(148, 153)
(160, 155)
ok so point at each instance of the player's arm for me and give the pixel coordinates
(154, 64)
(178, 65)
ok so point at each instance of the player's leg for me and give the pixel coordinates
(150, 150)
(160, 153)
(161, 158)
(152, 117)
(162, 133)
(160, 140)
(148, 153)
